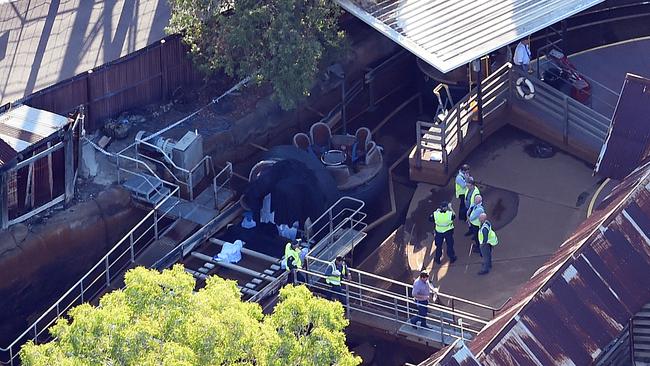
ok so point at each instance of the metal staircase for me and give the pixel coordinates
(640, 332)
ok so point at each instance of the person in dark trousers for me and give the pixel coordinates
(472, 192)
(488, 239)
(461, 190)
(443, 220)
(421, 294)
(337, 270)
(473, 215)
(293, 261)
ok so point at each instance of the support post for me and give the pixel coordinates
(479, 97)
(68, 152)
(565, 135)
(4, 200)
(344, 121)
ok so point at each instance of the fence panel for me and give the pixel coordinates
(147, 76)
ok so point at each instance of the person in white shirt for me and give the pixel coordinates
(521, 57)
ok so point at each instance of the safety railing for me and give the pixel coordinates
(220, 182)
(187, 176)
(437, 142)
(390, 300)
(577, 123)
(98, 279)
(342, 222)
(333, 233)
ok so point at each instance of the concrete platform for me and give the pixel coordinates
(534, 204)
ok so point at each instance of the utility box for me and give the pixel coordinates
(187, 153)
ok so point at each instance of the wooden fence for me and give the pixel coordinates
(144, 77)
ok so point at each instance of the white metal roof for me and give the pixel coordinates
(451, 33)
(23, 126)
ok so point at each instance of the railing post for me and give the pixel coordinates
(566, 121)
(442, 329)
(396, 310)
(35, 334)
(331, 223)
(360, 294)
(131, 247)
(408, 304)
(155, 228)
(108, 275)
(443, 137)
(347, 300)
(418, 143)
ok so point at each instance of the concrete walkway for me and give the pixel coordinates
(533, 203)
(44, 42)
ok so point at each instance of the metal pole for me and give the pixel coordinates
(343, 103)
(131, 247)
(479, 97)
(347, 300)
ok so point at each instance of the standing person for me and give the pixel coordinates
(336, 270)
(472, 192)
(522, 55)
(474, 222)
(293, 261)
(443, 219)
(488, 238)
(461, 190)
(422, 290)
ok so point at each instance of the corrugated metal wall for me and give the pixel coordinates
(146, 76)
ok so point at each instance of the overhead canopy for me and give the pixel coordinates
(451, 33)
(23, 126)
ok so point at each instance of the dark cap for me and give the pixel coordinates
(464, 167)
(444, 204)
(470, 180)
(424, 274)
(339, 258)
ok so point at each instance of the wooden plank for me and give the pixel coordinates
(4, 200)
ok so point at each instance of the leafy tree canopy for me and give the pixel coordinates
(159, 320)
(277, 41)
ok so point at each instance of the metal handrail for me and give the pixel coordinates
(410, 287)
(227, 170)
(360, 304)
(84, 287)
(326, 216)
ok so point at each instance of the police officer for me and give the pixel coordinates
(443, 219)
(488, 239)
(461, 190)
(293, 261)
(337, 269)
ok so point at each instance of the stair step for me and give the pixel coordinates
(269, 272)
(256, 281)
(275, 267)
(641, 346)
(640, 339)
(641, 354)
(204, 270)
(208, 265)
(645, 313)
(640, 330)
(250, 285)
(638, 322)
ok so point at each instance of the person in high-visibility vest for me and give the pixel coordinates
(488, 239)
(443, 220)
(461, 190)
(336, 270)
(293, 261)
(473, 215)
(472, 192)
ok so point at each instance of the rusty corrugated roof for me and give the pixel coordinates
(628, 140)
(7, 154)
(581, 299)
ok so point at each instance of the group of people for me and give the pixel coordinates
(473, 213)
(294, 259)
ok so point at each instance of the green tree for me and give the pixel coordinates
(158, 319)
(277, 41)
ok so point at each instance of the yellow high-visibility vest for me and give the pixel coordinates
(492, 236)
(443, 221)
